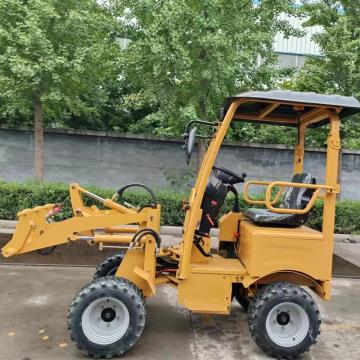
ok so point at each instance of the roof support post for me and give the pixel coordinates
(300, 149)
(331, 179)
(197, 194)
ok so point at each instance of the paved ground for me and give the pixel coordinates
(34, 302)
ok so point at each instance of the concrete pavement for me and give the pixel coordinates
(35, 299)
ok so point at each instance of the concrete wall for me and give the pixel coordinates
(112, 160)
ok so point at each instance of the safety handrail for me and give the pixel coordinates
(315, 195)
(259, 202)
(282, 184)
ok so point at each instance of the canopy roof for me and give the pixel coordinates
(279, 107)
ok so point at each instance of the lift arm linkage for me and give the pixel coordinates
(36, 230)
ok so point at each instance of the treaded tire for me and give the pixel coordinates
(266, 300)
(109, 266)
(244, 301)
(240, 294)
(114, 288)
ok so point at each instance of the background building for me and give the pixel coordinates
(293, 50)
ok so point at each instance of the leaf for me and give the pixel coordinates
(58, 50)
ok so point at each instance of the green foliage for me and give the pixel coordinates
(337, 70)
(263, 134)
(186, 56)
(60, 51)
(18, 196)
(15, 197)
(347, 218)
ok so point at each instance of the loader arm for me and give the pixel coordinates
(34, 231)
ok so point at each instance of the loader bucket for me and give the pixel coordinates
(32, 223)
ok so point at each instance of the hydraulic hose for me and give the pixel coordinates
(154, 203)
(147, 231)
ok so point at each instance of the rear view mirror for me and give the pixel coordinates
(190, 142)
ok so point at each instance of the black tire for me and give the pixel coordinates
(109, 266)
(90, 300)
(268, 303)
(244, 301)
(47, 251)
(240, 294)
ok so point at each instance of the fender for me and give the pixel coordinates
(321, 287)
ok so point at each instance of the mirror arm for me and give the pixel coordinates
(203, 122)
(192, 133)
(203, 137)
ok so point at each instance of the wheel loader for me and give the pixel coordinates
(267, 258)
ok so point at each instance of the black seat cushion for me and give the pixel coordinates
(294, 198)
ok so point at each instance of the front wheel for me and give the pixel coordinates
(109, 266)
(284, 320)
(107, 317)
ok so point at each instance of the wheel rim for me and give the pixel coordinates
(105, 321)
(287, 324)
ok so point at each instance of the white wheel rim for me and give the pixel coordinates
(287, 324)
(105, 321)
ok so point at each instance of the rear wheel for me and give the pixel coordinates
(107, 317)
(284, 320)
(243, 300)
(240, 294)
(109, 266)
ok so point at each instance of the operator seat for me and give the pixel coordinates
(294, 198)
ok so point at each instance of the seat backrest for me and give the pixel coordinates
(298, 198)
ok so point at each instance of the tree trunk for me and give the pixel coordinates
(39, 139)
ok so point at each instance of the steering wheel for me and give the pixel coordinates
(228, 176)
(119, 194)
